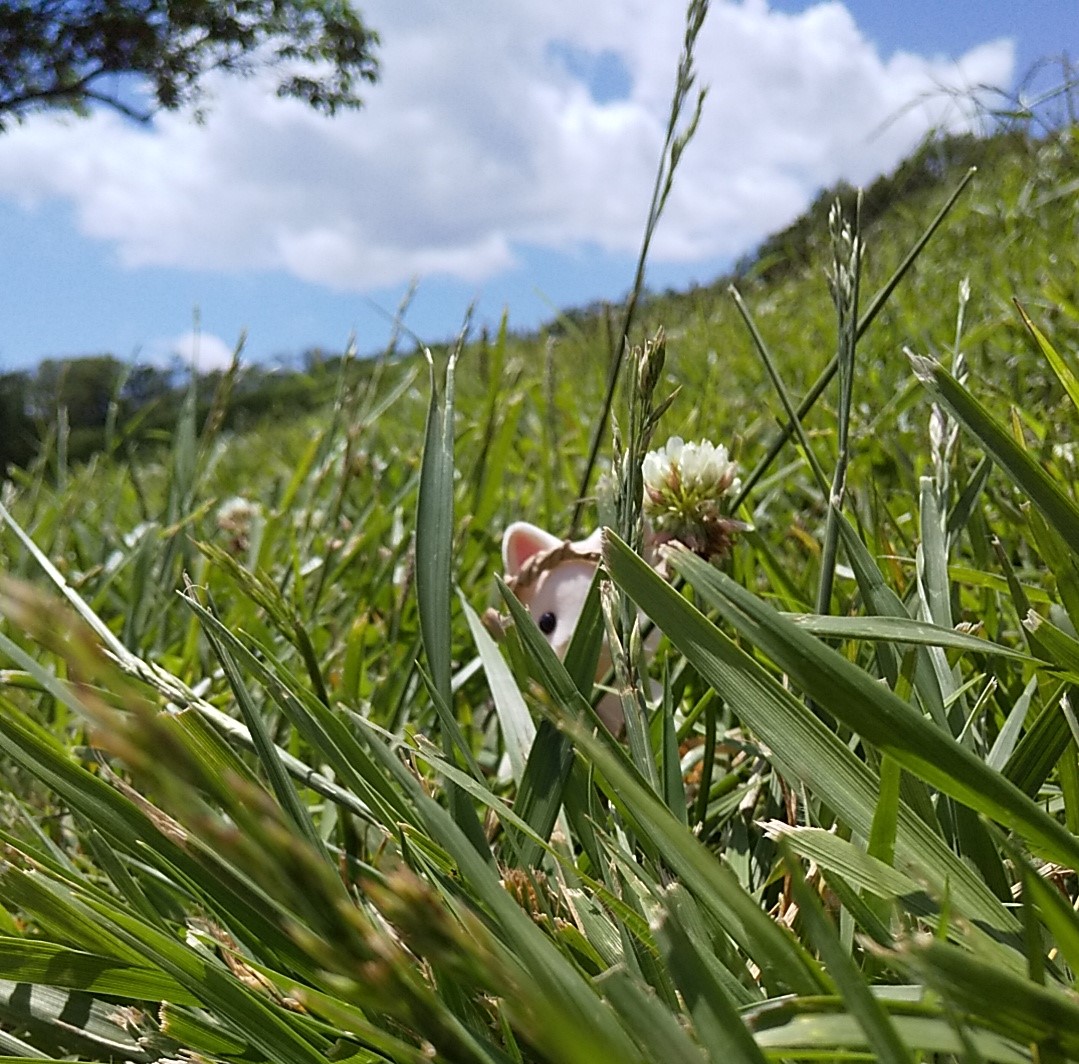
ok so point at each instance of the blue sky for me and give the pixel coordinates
(506, 157)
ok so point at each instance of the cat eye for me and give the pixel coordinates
(547, 622)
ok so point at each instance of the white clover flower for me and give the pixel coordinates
(686, 489)
(235, 517)
(237, 512)
(1064, 452)
(680, 474)
(133, 537)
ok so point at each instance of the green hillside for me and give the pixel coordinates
(270, 792)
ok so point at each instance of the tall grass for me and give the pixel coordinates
(271, 792)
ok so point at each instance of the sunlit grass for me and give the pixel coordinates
(269, 785)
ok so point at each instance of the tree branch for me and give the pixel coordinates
(53, 54)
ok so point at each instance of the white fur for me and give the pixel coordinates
(559, 591)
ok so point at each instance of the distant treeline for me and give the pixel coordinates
(101, 401)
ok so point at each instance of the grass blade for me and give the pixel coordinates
(829, 371)
(877, 714)
(711, 881)
(434, 555)
(803, 748)
(1065, 374)
(718, 1024)
(279, 780)
(880, 1032)
(1021, 1010)
(518, 731)
(902, 630)
(882, 601)
(1058, 509)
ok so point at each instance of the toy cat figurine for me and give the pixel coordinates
(551, 577)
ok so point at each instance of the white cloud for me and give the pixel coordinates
(203, 351)
(477, 142)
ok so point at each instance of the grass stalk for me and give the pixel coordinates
(675, 141)
(830, 370)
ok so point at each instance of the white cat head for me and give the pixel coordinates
(550, 576)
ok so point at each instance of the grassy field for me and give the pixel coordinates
(272, 793)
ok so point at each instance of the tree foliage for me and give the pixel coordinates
(67, 54)
(143, 402)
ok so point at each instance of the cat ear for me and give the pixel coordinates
(521, 541)
(593, 543)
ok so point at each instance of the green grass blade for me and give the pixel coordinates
(583, 652)
(960, 514)
(1008, 736)
(323, 729)
(998, 997)
(844, 280)
(26, 961)
(781, 959)
(1059, 510)
(855, 866)
(129, 827)
(877, 714)
(518, 730)
(1061, 562)
(170, 686)
(674, 145)
(100, 629)
(48, 898)
(543, 785)
(829, 371)
(882, 601)
(67, 1020)
(434, 559)
(1065, 374)
(803, 748)
(902, 630)
(551, 778)
(880, 1032)
(711, 881)
(838, 1036)
(278, 777)
(656, 1030)
(794, 418)
(673, 786)
(1055, 644)
(1041, 747)
(933, 557)
(270, 1030)
(934, 592)
(586, 1026)
(719, 1027)
(886, 817)
(1055, 912)
(434, 531)
(259, 588)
